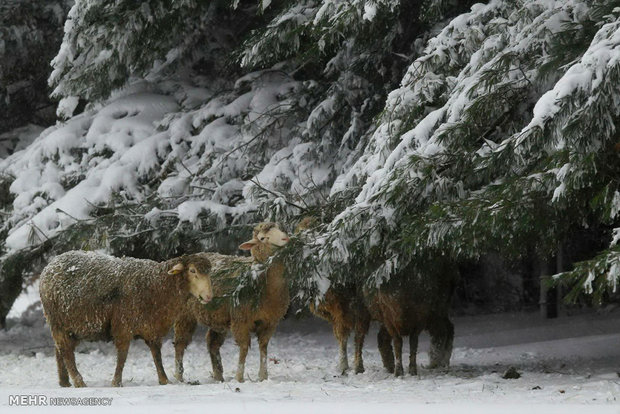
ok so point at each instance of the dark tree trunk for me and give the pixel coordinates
(10, 284)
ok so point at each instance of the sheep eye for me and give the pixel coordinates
(192, 270)
(262, 238)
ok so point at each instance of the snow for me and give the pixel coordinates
(370, 11)
(433, 109)
(124, 128)
(28, 299)
(189, 210)
(140, 135)
(568, 365)
(67, 106)
(616, 237)
(426, 81)
(583, 77)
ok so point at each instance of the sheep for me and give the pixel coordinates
(261, 318)
(409, 304)
(92, 297)
(343, 307)
(218, 318)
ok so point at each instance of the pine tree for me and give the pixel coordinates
(475, 171)
(232, 143)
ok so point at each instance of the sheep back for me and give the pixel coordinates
(410, 300)
(218, 315)
(341, 305)
(94, 296)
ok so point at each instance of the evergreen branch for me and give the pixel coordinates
(290, 203)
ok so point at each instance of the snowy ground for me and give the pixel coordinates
(568, 365)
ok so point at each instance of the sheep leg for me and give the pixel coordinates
(183, 332)
(264, 334)
(384, 341)
(397, 340)
(413, 352)
(448, 344)
(122, 347)
(69, 357)
(361, 329)
(214, 342)
(63, 375)
(66, 348)
(341, 332)
(242, 338)
(442, 337)
(155, 347)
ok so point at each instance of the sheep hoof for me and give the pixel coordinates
(239, 378)
(359, 369)
(398, 371)
(80, 384)
(64, 384)
(262, 376)
(437, 367)
(179, 377)
(117, 383)
(413, 371)
(218, 377)
(163, 381)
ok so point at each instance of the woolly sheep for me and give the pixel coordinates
(90, 296)
(343, 307)
(261, 318)
(409, 304)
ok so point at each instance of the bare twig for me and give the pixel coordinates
(34, 226)
(58, 210)
(202, 188)
(191, 174)
(256, 183)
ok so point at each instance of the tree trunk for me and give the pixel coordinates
(544, 271)
(10, 284)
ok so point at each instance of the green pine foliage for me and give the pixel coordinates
(474, 172)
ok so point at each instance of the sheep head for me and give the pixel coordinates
(266, 236)
(195, 268)
(306, 223)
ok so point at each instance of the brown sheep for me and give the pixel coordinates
(261, 318)
(407, 305)
(344, 308)
(94, 297)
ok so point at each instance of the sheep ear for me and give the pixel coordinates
(248, 244)
(178, 268)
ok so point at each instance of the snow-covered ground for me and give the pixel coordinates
(568, 365)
